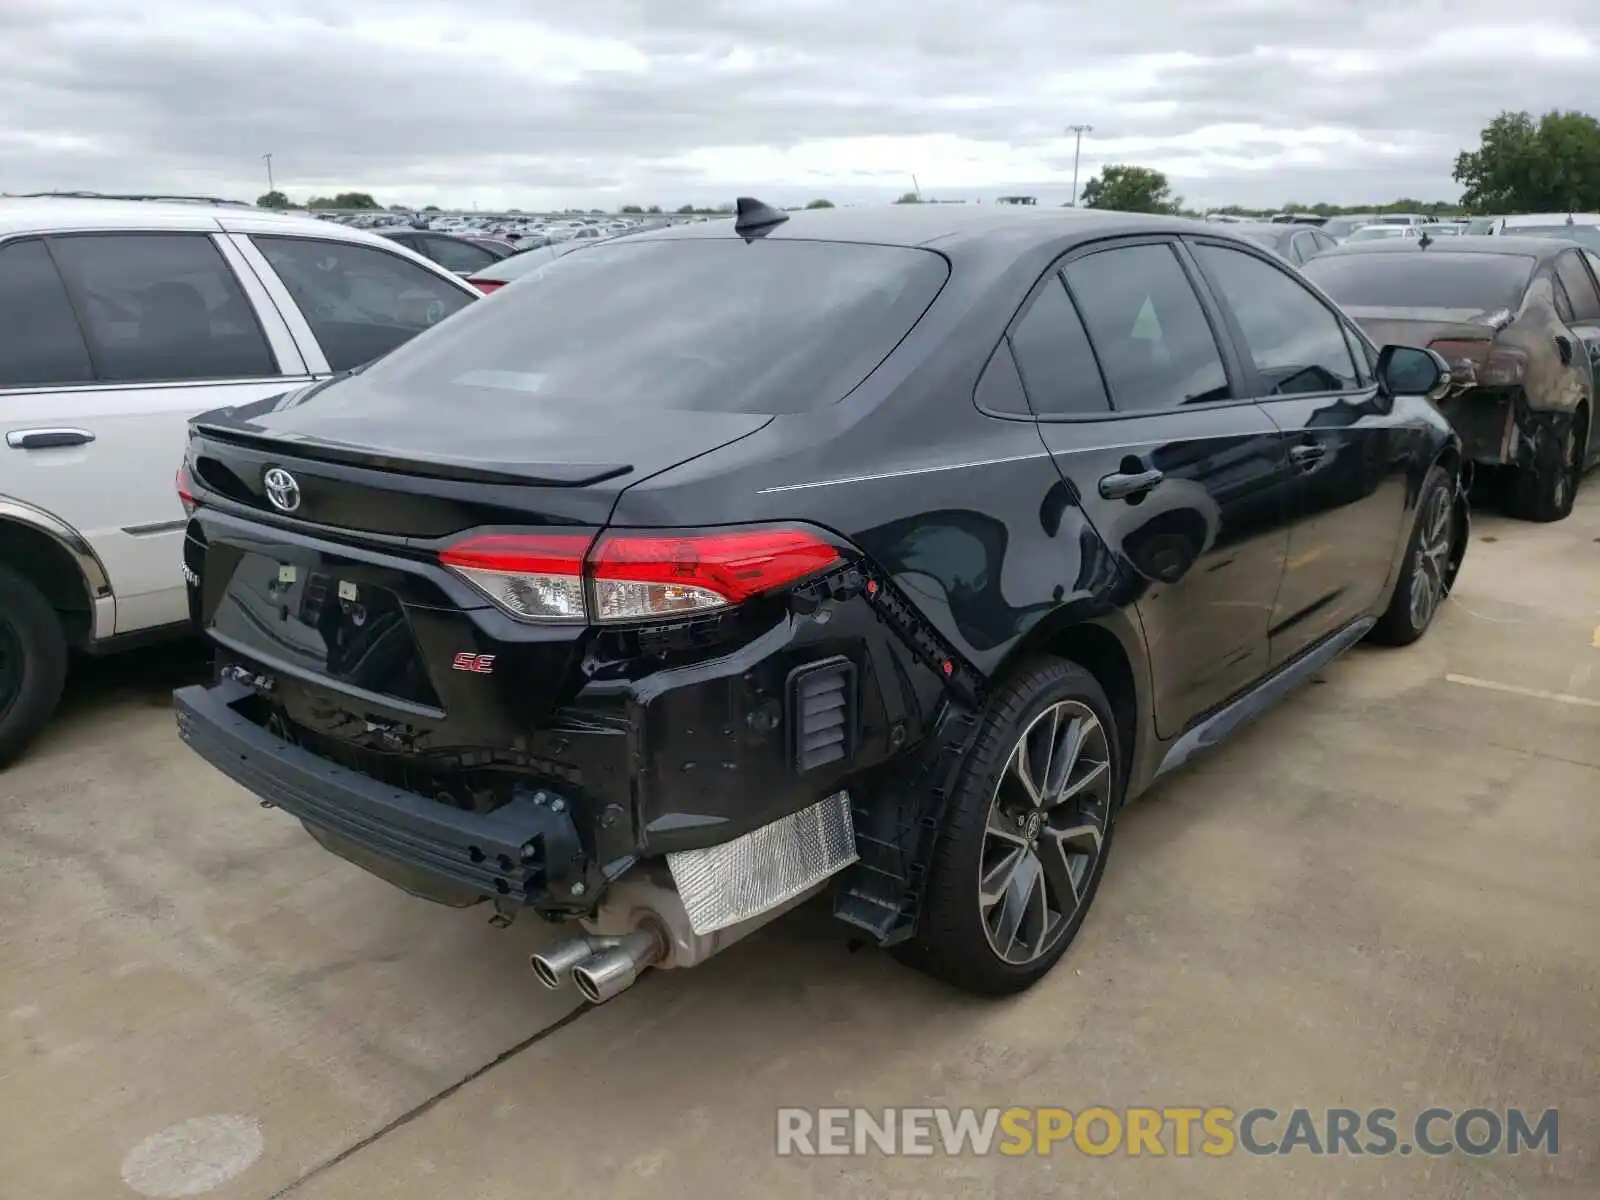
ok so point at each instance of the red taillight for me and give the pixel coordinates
(638, 576)
(635, 576)
(1481, 363)
(538, 577)
(487, 285)
(185, 485)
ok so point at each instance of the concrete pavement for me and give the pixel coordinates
(1383, 894)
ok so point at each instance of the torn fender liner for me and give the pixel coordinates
(724, 885)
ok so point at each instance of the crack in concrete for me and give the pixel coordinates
(439, 1097)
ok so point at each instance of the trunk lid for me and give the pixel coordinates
(414, 470)
(1421, 327)
(341, 599)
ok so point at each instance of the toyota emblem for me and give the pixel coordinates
(282, 489)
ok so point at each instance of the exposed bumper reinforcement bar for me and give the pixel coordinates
(524, 853)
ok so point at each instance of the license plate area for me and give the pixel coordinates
(323, 620)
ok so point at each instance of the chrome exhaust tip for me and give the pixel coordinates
(553, 965)
(609, 973)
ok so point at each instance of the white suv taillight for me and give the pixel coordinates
(638, 575)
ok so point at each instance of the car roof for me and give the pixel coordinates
(71, 214)
(1543, 219)
(949, 227)
(1273, 227)
(1540, 248)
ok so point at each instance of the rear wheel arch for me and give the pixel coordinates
(1104, 654)
(40, 558)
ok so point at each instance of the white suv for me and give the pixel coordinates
(119, 320)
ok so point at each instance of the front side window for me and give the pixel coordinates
(159, 307)
(1297, 343)
(361, 302)
(1148, 328)
(40, 342)
(1053, 354)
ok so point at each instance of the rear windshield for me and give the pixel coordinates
(1426, 279)
(716, 324)
(525, 262)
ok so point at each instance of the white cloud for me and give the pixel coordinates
(557, 103)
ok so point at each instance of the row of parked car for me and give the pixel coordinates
(890, 551)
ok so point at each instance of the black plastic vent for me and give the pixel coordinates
(822, 713)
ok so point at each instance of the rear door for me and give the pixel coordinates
(349, 302)
(1345, 445)
(111, 342)
(1139, 403)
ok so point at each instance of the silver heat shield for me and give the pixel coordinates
(724, 885)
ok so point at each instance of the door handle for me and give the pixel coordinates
(1125, 486)
(1308, 455)
(45, 439)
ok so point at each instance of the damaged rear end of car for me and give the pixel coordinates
(447, 647)
(1498, 313)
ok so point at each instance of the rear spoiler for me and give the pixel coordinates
(516, 474)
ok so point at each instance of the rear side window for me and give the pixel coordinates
(1574, 277)
(772, 326)
(361, 302)
(162, 306)
(1296, 342)
(1000, 387)
(1053, 354)
(454, 254)
(1432, 278)
(40, 342)
(1151, 335)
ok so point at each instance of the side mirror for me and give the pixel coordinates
(1408, 371)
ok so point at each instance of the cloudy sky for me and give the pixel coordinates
(596, 103)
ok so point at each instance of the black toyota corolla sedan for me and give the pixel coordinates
(881, 554)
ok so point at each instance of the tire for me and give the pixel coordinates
(962, 936)
(1545, 490)
(33, 662)
(1424, 572)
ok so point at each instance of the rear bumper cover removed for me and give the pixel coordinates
(524, 853)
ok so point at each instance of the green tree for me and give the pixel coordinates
(274, 199)
(344, 200)
(654, 209)
(1131, 189)
(431, 208)
(1520, 166)
(686, 210)
(632, 209)
(909, 198)
(819, 203)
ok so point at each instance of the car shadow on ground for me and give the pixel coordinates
(146, 676)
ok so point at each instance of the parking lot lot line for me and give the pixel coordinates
(1513, 689)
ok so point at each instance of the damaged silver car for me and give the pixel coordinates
(1518, 321)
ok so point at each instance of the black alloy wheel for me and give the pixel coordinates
(1027, 831)
(1046, 827)
(1431, 558)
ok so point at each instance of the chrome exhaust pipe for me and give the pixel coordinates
(553, 965)
(613, 971)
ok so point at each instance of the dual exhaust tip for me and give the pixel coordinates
(600, 967)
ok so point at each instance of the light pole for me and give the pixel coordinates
(268, 160)
(1077, 147)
